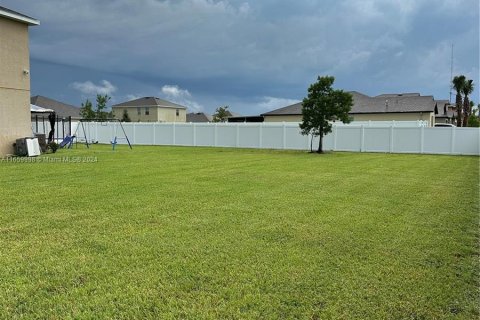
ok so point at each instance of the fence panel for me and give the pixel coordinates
(467, 141)
(437, 140)
(226, 135)
(348, 138)
(376, 139)
(405, 140)
(249, 136)
(184, 134)
(272, 136)
(205, 135)
(398, 138)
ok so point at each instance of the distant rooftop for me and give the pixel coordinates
(60, 108)
(199, 117)
(17, 16)
(149, 102)
(384, 103)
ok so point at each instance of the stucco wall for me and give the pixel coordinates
(427, 116)
(282, 118)
(14, 84)
(156, 114)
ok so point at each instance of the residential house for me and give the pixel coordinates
(61, 109)
(14, 78)
(385, 107)
(199, 117)
(151, 109)
(445, 112)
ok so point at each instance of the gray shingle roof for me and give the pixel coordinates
(391, 95)
(442, 106)
(199, 117)
(389, 103)
(17, 16)
(294, 109)
(393, 104)
(149, 102)
(60, 108)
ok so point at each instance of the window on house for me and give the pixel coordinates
(178, 112)
(139, 111)
(147, 111)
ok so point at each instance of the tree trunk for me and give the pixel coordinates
(466, 111)
(320, 141)
(458, 103)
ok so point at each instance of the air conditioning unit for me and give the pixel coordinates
(27, 147)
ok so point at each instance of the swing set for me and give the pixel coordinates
(114, 140)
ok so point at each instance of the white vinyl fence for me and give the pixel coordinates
(356, 138)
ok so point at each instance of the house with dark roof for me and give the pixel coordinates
(385, 107)
(199, 117)
(445, 112)
(62, 110)
(14, 78)
(150, 109)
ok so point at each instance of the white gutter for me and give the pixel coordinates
(18, 17)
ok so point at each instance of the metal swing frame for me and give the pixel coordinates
(100, 120)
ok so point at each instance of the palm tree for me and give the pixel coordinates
(458, 83)
(467, 90)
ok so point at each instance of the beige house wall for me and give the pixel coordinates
(291, 118)
(14, 84)
(156, 114)
(426, 116)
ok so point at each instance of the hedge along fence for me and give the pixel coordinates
(286, 135)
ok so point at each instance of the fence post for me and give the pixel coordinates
(260, 135)
(173, 135)
(237, 138)
(391, 139)
(362, 142)
(335, 128)
(134, 134)
(422, 138)
(96, 131)
(194, 135)
(154, 127)
(215, 139)
(284, 143)
(452, 142)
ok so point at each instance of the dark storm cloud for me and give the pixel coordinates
(254, 54)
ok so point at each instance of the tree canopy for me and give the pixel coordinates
(221, 114)
(87, 111)
(322, 105)
(463, 106)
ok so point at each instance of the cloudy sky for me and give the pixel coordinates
(253, 56)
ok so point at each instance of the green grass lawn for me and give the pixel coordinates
(202, 233)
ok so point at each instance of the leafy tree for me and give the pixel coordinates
(474, 119)
(467, 90)
(86, 111)
(458, 83)
(125, 116)
(100, 111)
(221, 114)
(322, 105)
